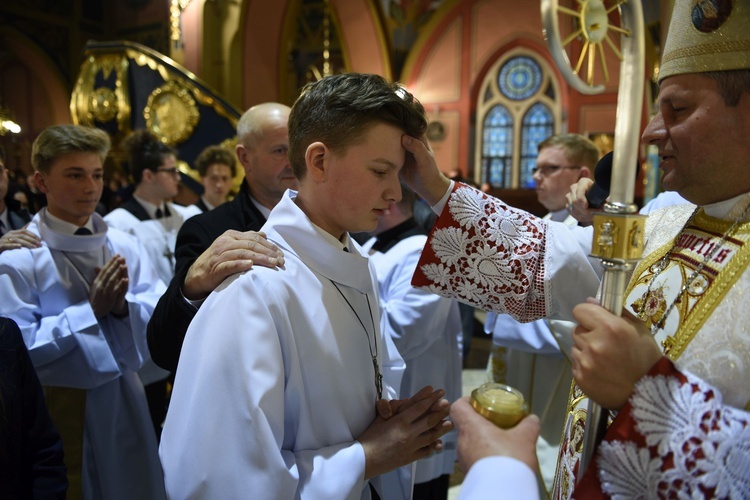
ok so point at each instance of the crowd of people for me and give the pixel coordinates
(304, 339)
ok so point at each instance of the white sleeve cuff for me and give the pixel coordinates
(195, 303)
(498, 478)
(440, 205)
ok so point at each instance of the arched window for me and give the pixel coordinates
(497, 144)
(517, 110)
(538, 124)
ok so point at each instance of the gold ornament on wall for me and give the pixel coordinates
(103, 104)
(171, 113)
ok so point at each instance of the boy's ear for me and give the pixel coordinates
(316, 159)
(41, 181)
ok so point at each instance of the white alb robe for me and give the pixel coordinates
(275, 380)
(426, 329)
(45, 290)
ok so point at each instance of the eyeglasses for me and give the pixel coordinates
(548, 170)
(170, 171)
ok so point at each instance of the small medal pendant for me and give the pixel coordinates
(378, 378)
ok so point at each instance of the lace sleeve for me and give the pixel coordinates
(487, 254)
(674, 439)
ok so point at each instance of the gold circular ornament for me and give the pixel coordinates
(103, 104)
(171, 113)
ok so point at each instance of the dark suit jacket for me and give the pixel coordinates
(202, 205)
(172, 316)
(31, 453)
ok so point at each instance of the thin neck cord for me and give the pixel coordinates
(374, 357)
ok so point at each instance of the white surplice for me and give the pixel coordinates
(426, 329)
(45, 290)
(158, 236)
(275, 380)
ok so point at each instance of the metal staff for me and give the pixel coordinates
(618, 230)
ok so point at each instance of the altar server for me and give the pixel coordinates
(282, 369)
(82, 301)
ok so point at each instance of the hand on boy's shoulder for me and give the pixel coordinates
(232, 252)
(19, 238)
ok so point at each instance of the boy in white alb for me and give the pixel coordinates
(82, 301)
(279, 400)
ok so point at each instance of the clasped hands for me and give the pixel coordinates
(108, 290)
(405, 430)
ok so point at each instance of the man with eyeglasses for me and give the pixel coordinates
(155, 221)
(562, 161)
(528, 356)
(149, 214)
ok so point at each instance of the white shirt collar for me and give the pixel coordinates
(558, 215)
(150, 207)
(346, 243)
(61, 226)
(208, 203)
(722, 209)
(263, 210)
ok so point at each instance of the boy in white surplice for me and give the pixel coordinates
(280, 374)
(82, 301)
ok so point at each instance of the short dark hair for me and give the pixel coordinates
(215, 154)
(145, 151)
(732, 84)
(58, 140)
(339, 110)
(578, 148)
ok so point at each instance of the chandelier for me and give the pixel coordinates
(7, 125)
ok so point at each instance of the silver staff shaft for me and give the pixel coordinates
(618, 230)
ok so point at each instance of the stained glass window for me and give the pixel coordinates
(517, 109)
(538, 124)
(497, 146)
(520, 78)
